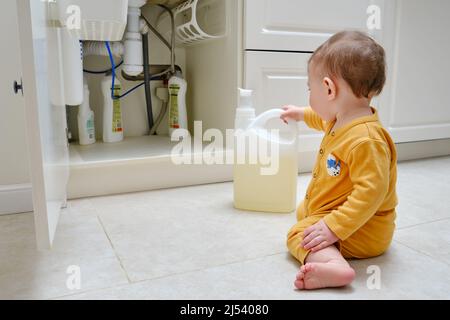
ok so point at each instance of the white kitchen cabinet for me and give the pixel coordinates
(416, 103)
(135, 164)
(45, 116)
(302, 25)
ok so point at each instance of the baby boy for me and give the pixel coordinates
(349, 207)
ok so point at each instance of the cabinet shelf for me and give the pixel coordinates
(132, 165)
(131, 148)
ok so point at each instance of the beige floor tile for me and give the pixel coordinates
(190, 243)
(272, 277)
(432, 239)
(26, 273)
(189, 228)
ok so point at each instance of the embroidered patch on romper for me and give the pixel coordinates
(333, 166)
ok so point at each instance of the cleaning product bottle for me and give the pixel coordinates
(177, 103)
(86, 127)
(112, 112)
(262, 185)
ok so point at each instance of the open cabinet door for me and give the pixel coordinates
(45, 114)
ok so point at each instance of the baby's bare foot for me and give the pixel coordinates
(321, 275)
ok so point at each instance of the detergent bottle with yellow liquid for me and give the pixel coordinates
(265, 161)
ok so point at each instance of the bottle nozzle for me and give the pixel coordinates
(245, 98)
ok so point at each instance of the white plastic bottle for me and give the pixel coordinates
(177, 103)
(86, 124)
(72, 50)
(112, 112)
(267, 186)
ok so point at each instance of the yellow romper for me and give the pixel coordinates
(352, 189)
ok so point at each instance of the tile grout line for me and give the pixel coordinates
(422, 253)
(209, 267)
(114, 250)
(422, 223)
(166, 276)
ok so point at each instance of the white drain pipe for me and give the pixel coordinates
(133, 59)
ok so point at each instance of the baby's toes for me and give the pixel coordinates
(305, 268)
(300, 275)
(308, 267)
(299, 284)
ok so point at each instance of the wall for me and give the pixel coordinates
(15, 188)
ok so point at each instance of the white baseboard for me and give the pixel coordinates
(423, 149)
(15, 198)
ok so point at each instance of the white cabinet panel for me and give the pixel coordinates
(418, 98)
(45, 115)
(280, 78)
(302, 25)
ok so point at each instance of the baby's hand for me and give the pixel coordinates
(318, 236)
(292, 112)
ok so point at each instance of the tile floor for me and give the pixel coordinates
(190, 243)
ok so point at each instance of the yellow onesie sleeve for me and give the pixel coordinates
(368, 164)
(313, 120)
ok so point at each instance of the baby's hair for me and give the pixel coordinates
(356, 58)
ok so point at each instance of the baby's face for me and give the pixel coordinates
(318, 95)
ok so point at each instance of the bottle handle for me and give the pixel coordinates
(260, 121)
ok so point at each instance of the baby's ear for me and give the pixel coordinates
(330, 86)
